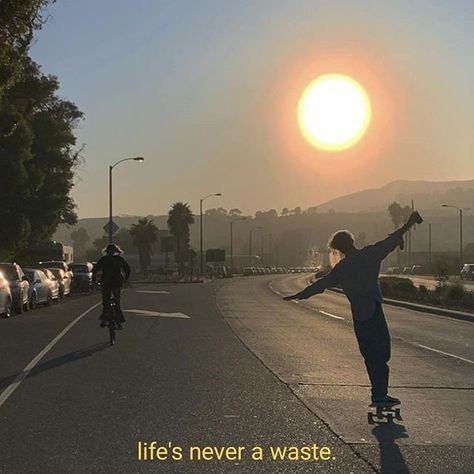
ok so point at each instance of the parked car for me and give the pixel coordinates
(393, 271)
(42, 290)
(58, 264)
(54, 284)
(249, 271)
(82, 276)
(406, 271)
(6, 303)
(416, 270)
(19, 286)
(467, 271)
(64, 281)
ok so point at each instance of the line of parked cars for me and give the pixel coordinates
(22, 289)
(408, 270)
(252, 271)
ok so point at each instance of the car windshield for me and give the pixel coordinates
(9, 272)
(80, 268)
(30, 274)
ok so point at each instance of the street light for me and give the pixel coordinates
(140, 159)
(200, 231)
(250, 242)
(270, 251)
(460, 229)
(232, 242)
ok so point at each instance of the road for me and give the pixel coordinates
(228, 364)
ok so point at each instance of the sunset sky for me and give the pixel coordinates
(207, 91)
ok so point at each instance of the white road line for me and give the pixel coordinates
(145, 312)
(444, 353)
(329, 314)
(22, 376)
(156, 292)
(273, 289)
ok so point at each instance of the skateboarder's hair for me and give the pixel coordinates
(341, 240)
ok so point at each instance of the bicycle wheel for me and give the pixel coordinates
(112, 332)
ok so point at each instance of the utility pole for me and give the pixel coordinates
(429, 246)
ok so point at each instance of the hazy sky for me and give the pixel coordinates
(207, 90)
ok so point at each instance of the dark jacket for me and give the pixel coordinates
(114, 270)
(358, 276)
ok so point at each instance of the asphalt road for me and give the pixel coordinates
(227, 364)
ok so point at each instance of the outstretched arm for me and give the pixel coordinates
(382, 248)
(328, 281)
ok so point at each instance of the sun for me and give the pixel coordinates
(334, 112)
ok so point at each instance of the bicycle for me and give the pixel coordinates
(112, 321)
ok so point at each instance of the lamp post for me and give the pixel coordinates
(250, 243)
(200, 231)
(232, 242)
(140, 159)
(429, 247)
(460, 229)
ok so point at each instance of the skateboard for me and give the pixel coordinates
(383, 412)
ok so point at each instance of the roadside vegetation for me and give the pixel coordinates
(452, 296)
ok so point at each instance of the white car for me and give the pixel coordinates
(6, 304)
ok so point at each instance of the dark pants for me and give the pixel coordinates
(107, 291)
(374, 344)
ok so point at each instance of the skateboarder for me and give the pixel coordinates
(357, 274)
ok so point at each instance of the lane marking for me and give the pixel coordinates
(22, 376)
(444, 353)
(156, 292)
(145, 312)
(330, 314)
(273, 289)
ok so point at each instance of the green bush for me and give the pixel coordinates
(394, 287)
(452, 296)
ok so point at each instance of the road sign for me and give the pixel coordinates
(215, 255)
(111, 227)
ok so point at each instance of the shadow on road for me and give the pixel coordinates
(391, 458)
(58, 361)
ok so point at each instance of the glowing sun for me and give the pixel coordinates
(334, 112)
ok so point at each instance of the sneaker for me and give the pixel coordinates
(385, 401)
(393, 400)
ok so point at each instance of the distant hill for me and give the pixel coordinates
(427, 195)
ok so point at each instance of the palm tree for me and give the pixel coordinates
(396, 214)
(180, 217)
(144, 235)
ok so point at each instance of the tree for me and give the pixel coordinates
(18, 21)
(180, 217)
(296, 211)
(38, 160)
(144, 235)
(396, 214)
(235, 212)
(285, 211)
(80, 239)
(216, 212)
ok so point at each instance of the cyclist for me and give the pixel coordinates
(115, 270)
